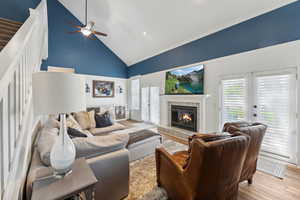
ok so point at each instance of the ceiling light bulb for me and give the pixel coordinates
(86, 32)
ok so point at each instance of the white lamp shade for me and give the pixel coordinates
(57, 92)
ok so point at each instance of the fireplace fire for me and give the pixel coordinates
(184, 117)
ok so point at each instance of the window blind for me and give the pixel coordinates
(233, 100)
(273, 98)
(135, 94)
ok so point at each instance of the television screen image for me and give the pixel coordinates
(188, 80)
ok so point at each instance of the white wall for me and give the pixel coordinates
(118, 99)
(271, 58)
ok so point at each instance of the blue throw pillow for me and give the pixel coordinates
(103, 120)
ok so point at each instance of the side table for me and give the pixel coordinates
(81, 179)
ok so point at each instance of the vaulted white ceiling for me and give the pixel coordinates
(139, 29)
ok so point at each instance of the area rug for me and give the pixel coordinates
(143, 175)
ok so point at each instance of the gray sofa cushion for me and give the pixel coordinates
(98, 145)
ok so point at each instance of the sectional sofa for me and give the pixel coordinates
(108, 151)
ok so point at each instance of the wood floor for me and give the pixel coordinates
(267, 187)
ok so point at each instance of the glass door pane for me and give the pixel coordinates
(275, 106)
(234, 104)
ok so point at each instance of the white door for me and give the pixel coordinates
(274, 104)
(269, 98)
(154, 105)
(135, 99)
(145, 104)
(150, 104)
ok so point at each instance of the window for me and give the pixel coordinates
(233, 105)
(135, 94)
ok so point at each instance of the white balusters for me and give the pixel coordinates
(18, 60)
(1, 147)
(20, 93)
(5, 138)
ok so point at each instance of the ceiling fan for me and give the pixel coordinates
(88, 29)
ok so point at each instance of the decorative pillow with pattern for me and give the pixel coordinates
(110, 110)
(72, 123)
(103, 120)
(86, 119)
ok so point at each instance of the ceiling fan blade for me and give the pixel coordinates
(72, 32)
(91, 37)
(73, 25)
(76, 26)
(99, 33)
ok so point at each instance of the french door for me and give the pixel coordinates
(269, 98)
(150, 105)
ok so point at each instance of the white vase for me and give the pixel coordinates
(63, 153)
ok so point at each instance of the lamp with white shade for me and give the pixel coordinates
(59, 93)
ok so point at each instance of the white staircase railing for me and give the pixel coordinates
(18, 60)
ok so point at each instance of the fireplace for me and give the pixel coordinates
(184, 117)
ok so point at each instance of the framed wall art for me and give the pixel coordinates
(103, 89)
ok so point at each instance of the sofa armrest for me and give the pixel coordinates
(112, 172)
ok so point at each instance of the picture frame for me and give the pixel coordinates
(103, 89)
(120, 112)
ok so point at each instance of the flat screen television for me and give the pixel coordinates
(188, 80)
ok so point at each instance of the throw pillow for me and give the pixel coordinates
(103, 120)
(45, 142)
(72, 123)
(110, 110)
(73, 133)
(86, 119)
(51, 123)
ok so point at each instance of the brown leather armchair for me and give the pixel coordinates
(256, 131)
(208, 171)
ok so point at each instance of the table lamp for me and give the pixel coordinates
(59, 93)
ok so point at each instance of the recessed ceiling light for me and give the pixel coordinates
(144, 33)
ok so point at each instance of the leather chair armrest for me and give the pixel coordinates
(165, 159)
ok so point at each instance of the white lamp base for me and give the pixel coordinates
(63, 153)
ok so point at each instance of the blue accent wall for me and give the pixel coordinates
(68, 50)
(74, 50)
(17, 10)
(275, 27)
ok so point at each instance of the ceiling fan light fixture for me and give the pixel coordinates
(86, 31)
